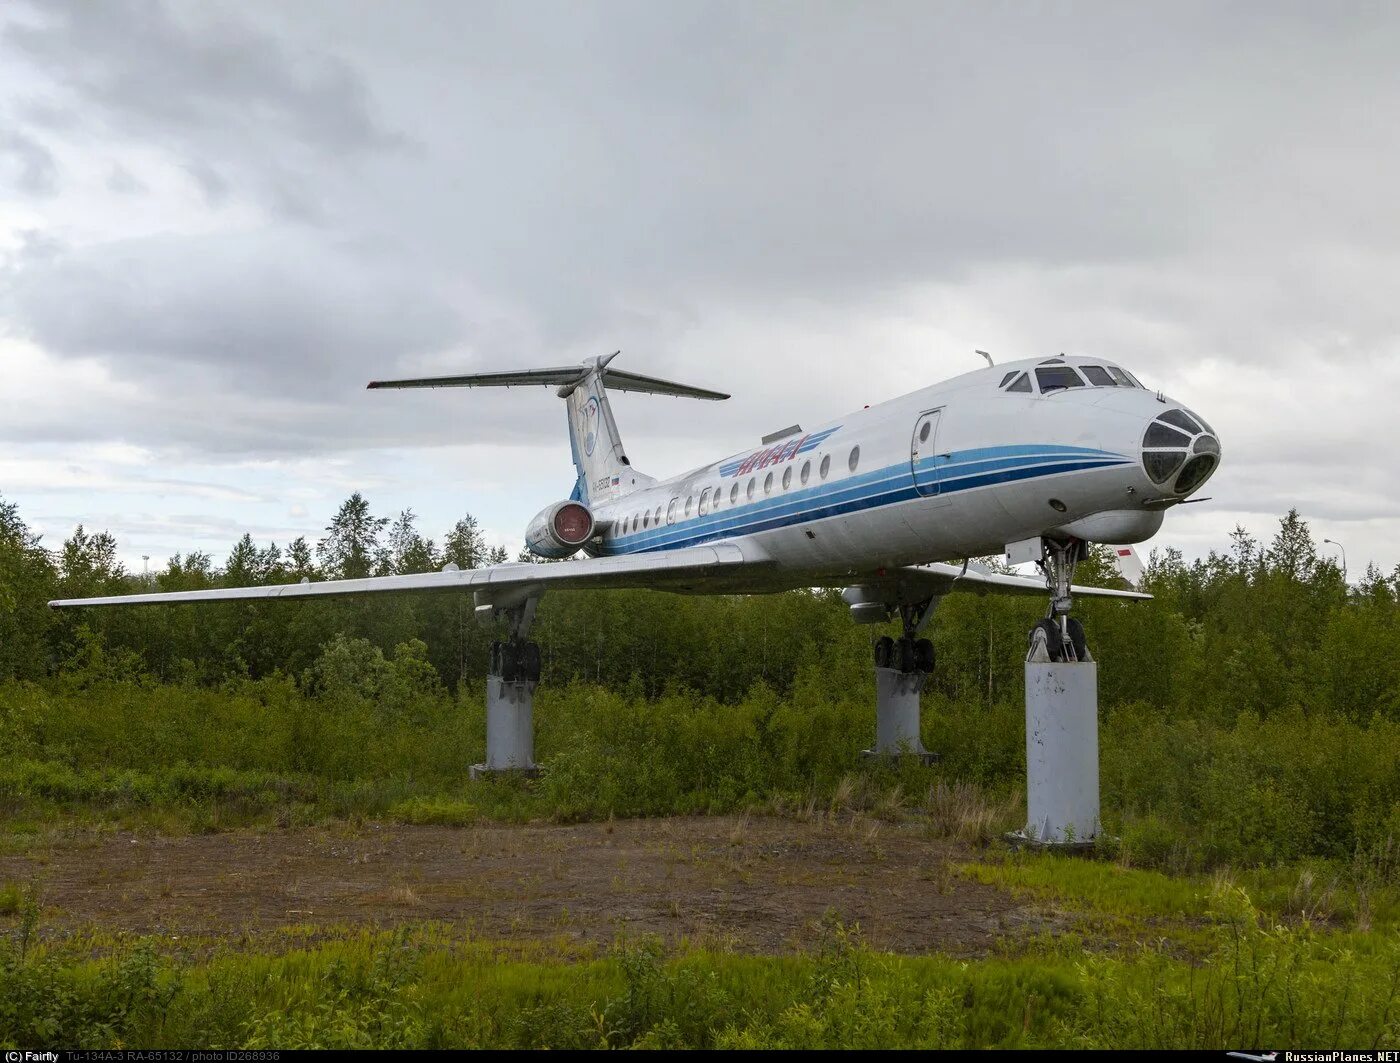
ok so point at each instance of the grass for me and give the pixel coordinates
(421, 987)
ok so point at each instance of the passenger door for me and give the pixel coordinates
(923, 453)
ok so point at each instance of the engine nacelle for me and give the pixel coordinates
(559, 530)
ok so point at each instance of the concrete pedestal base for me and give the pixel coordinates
(1062, 756)
(897, 715)
(510, 728)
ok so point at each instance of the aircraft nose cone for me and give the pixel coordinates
(1179, 451)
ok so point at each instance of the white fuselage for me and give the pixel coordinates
(955, 470)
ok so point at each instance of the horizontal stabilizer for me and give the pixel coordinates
(617, 380)
(561, 375)
(564, 377)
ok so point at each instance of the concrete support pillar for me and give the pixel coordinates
(897, 715)
(1062, 754)
(510, 728)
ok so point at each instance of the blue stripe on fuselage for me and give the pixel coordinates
(893, 484)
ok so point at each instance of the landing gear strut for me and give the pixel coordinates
(902, 666)
(1060, 637)
(511, 679)
(1062, 718)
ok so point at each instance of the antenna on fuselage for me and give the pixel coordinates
(985, 355)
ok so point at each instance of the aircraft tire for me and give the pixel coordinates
(530, 662)
(1054, 641)
(924, 658)
(1076, 638)
(884, 651)
(510, 662)
(905, 655)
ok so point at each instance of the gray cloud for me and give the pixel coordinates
(27, 164)
(191, 67)
(124, 182)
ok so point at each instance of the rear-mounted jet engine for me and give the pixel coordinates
(559, 530)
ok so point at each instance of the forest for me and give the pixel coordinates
(1250, 721)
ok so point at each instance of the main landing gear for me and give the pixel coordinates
(902, 667)
(511, 679)
(1062, 718)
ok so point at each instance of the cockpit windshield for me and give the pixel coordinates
(1057, 377)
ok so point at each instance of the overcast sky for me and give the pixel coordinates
(218, 220)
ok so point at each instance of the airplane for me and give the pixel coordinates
(1037, 458)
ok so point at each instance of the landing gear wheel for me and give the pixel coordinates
(530, 662)
(1076, 639)
(904, 655)
(1054, 642)
(884, 652)
(510, 662)
(923, 656)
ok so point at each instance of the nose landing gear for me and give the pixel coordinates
(1062, 718)
(1060, 637)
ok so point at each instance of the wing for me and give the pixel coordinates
(721, 568)
(665, 570)
(923, 581)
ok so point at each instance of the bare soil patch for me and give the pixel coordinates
(755, 884)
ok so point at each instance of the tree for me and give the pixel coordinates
(26, 583)
(300, 564)
(241, 570)
(409, 550)
(351, 547)
(465, 546)
(88, 564)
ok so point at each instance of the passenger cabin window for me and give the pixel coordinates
(689, 503)
(734, 493)
(749, 493)
(768, 484)
(854, 461)
(1023, 383)
(787, 477)
(646, 519)
(1056, 378)
(704, 501)
(1098, 376)
(806, 471)
(826, 465)
(671, 511)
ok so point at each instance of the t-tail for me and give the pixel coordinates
(604, 470)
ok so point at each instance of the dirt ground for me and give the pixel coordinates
(754, 884)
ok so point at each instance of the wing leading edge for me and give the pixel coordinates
(721, 567)
(662, 570)
(938, 579)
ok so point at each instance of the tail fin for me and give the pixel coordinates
(1128, 564)
(604, 470)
